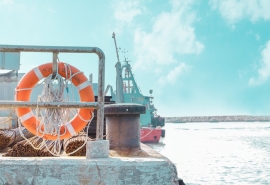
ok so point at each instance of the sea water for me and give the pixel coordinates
(218, 153)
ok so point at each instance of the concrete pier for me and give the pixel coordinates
(97, 149)
(145, 167)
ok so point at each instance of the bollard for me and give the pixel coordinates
(123, 125)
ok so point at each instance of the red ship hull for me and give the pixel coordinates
(150, 135)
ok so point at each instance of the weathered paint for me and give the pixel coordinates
(82, 171)
(23, 104)
(154, 169)
(97, 149)
(54, 64)
(123, 125)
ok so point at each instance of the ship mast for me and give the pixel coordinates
(128, 72)
(113, 36)
(119, 98)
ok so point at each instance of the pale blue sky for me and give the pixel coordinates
(200, 57)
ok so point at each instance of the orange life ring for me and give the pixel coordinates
(30, 79)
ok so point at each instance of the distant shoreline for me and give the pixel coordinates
(239, 118)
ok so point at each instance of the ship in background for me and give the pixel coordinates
(127, 91)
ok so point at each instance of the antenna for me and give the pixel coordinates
(113, 36)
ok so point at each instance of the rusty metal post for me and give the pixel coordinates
(123, 125)
(100, 110)
(91, 79)
(54, 65)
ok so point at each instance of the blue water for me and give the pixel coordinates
(218, 153)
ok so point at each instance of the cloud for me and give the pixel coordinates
(235, 10)
(173, 75)
(171, 34)
(6, 2)
(264, 71)
(257, 36)
(125, 11)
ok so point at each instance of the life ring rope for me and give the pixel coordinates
(70, 73)
(44, 143)
(67, 125)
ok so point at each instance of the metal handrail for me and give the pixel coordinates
(71, 49)
(47, 105)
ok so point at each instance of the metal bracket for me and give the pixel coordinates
(54, 65)
(91, 79)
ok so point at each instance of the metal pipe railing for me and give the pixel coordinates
(24, 104)
(70, 49)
